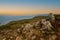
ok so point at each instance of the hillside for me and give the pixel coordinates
(30, 29)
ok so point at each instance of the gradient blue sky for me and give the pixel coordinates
(29, 7)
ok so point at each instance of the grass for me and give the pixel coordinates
(20, 22)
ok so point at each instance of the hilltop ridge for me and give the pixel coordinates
(35, 28)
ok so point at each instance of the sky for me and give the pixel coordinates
(29, 7)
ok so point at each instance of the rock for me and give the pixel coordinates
(52, 37)
(46, 26)
(36, 23)
(33, 37)
(42, 39)
(51, 17)
(28, 26)
(18, 38)
(4, 38)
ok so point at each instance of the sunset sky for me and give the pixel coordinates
(29, 7)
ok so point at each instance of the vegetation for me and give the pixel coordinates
(18, 30)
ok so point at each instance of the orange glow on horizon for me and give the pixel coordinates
(27, 11)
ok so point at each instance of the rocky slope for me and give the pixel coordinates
(31, 29)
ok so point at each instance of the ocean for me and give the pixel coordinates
(6, 19)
